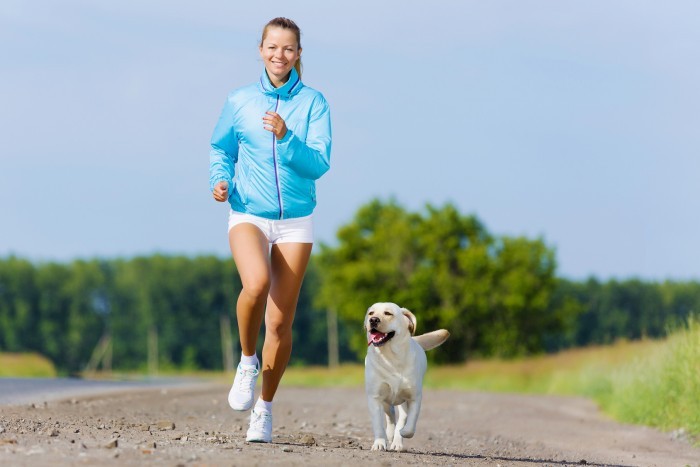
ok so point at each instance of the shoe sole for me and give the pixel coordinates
(258, 440)
(241, 408)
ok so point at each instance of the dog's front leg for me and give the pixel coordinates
(409, 429)
(390, 421)
(397, 443)
(376, 413)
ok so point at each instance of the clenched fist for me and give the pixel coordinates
(221, 191)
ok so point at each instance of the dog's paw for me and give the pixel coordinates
(379, 445)
(407, 432)
(397, 445)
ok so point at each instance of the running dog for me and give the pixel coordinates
(394, 370)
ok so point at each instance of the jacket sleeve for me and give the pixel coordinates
(311, 158)
(224, 149)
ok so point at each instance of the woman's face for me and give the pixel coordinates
(279, 51)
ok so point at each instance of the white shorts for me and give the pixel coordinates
(296, 230)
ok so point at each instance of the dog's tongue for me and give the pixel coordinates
(375, 336)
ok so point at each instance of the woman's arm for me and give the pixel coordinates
(312, 158)
(224, 150)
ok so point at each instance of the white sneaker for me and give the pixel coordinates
(260, 430)
(240, 397)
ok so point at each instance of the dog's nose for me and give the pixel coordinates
(374, 321)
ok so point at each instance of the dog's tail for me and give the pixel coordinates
(433, 339)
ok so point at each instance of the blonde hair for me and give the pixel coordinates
(285, 23)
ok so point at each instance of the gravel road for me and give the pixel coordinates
(193, 426)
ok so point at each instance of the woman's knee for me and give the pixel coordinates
(257, 288)
(278, 327)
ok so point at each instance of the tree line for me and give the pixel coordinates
(499, 296)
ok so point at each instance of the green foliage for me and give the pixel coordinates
(498, 296)
(62, 311)
(492, 294)
(629, 309)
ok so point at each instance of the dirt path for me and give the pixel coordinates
(194, 426)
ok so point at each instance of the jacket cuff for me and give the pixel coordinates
(212, 183)
(287, 136)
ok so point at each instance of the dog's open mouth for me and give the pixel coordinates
(379, 338)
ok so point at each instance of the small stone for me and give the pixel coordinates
(145, 428)
(8, 441)
(2, 429)
(35, 450)
(583, 462)
(77, 430)
(287, 449)
(164, 425)
(146, 451)
(54, 433)
(112, 444)
(307, 440)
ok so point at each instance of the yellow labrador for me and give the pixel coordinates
(394, 370)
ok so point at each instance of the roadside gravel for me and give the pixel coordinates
(194, 426)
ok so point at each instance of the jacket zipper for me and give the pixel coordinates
(274, 159)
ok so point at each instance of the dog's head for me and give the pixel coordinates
(385, 321)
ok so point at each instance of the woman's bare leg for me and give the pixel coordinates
(250, 248)
(288, 265)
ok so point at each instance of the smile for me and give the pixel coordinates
(379, 338)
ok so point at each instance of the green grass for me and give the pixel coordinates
(26, 365)
(661, 389)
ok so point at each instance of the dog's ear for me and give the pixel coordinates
(411, 320)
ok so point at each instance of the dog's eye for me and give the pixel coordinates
(371, 313)
(386, 313)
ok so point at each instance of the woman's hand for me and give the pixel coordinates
(221, 191)
(274, 123)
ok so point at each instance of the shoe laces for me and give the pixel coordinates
(261, 420)
(246, 383)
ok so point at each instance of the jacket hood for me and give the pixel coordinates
(287, 90)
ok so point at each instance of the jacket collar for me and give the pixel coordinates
(287, 90)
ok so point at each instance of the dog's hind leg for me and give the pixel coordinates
(397, 443)
(390, 421)
(409, 428)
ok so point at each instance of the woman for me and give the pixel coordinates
(277, 133)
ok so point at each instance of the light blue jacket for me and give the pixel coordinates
(272, 178)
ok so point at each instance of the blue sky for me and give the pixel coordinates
(575, 121)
